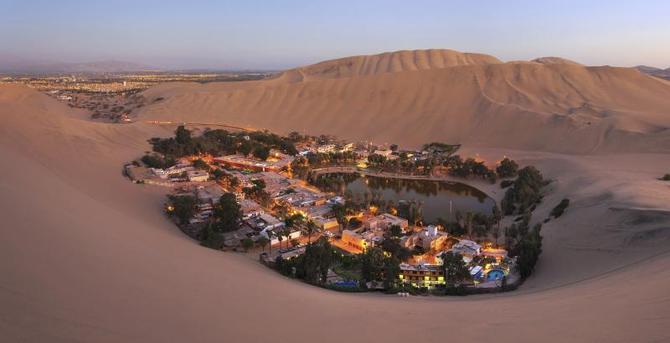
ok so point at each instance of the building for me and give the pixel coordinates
(273, 235)
(326, 148)
(347, 147)
(209, 194)
(263, 221)
(498, 254)
(243, 162)
(384, 221)
(250, 209)
(336, 200)
(302, 197)
(428, 239)
(197, 175)
(421, 275)
(327, 224)
(386, 153)
(354, 239)
(174, 170)
(468, 249)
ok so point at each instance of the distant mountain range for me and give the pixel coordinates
(658, 72)
(14, 65)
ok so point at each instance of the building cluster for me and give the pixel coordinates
(291, 195)
(286, 196)
(487, 266)
(275, 162)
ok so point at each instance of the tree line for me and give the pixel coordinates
(221, 142)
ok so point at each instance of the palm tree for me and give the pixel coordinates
(263, 242)
(311, 227)
(287, 233)
(468, 224)
(280, 237)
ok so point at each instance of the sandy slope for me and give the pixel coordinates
(478, 101)
(389, 62)
(88, 256)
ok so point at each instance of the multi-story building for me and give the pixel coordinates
(421, 275)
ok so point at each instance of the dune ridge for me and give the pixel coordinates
(558, 107)
(389, 62)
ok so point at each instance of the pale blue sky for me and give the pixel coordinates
(279, 34)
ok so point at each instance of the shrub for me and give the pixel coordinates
(525, 192)
(560, 208)
(157, 161)
(200, 164)
(507, 168)
(665, 177)
(247, 243)
(183, 207)
(506, 183)
(529, 249)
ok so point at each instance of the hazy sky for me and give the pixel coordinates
(278, 34)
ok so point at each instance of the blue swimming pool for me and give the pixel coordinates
(495, 274)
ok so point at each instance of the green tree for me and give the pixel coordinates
(391, 272)
(507, 168)
(262, 152)
(211, 238)
(528, 250)
(313, 265)
(454, 269)
(525, 192)
(227, 213)
(372, 264)
(280, 237)
(183, 207)
(157, 161)
(311, 228)
(395, 231)
(262, 242)
(247, 244)
(182, 135)
(560, 208)
(200, 164)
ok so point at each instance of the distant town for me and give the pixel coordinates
(285, 199)
(114, 97)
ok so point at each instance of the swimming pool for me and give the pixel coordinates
(495, 274)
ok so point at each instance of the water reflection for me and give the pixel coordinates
(437, 199)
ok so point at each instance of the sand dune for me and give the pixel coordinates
(88, 257)
(458, 98)
(390, 62)
(554, 60)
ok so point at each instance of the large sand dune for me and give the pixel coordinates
(86, 256)
(415, 97)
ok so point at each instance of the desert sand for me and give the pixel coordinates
(564, 107)
(88, 256)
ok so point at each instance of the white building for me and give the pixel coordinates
(468, 249)
(174, 170)
(273, 236)
(209, 194)
(385, 153)
(197, 175)
(429, 239)
(384, 221)
(327, 148)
